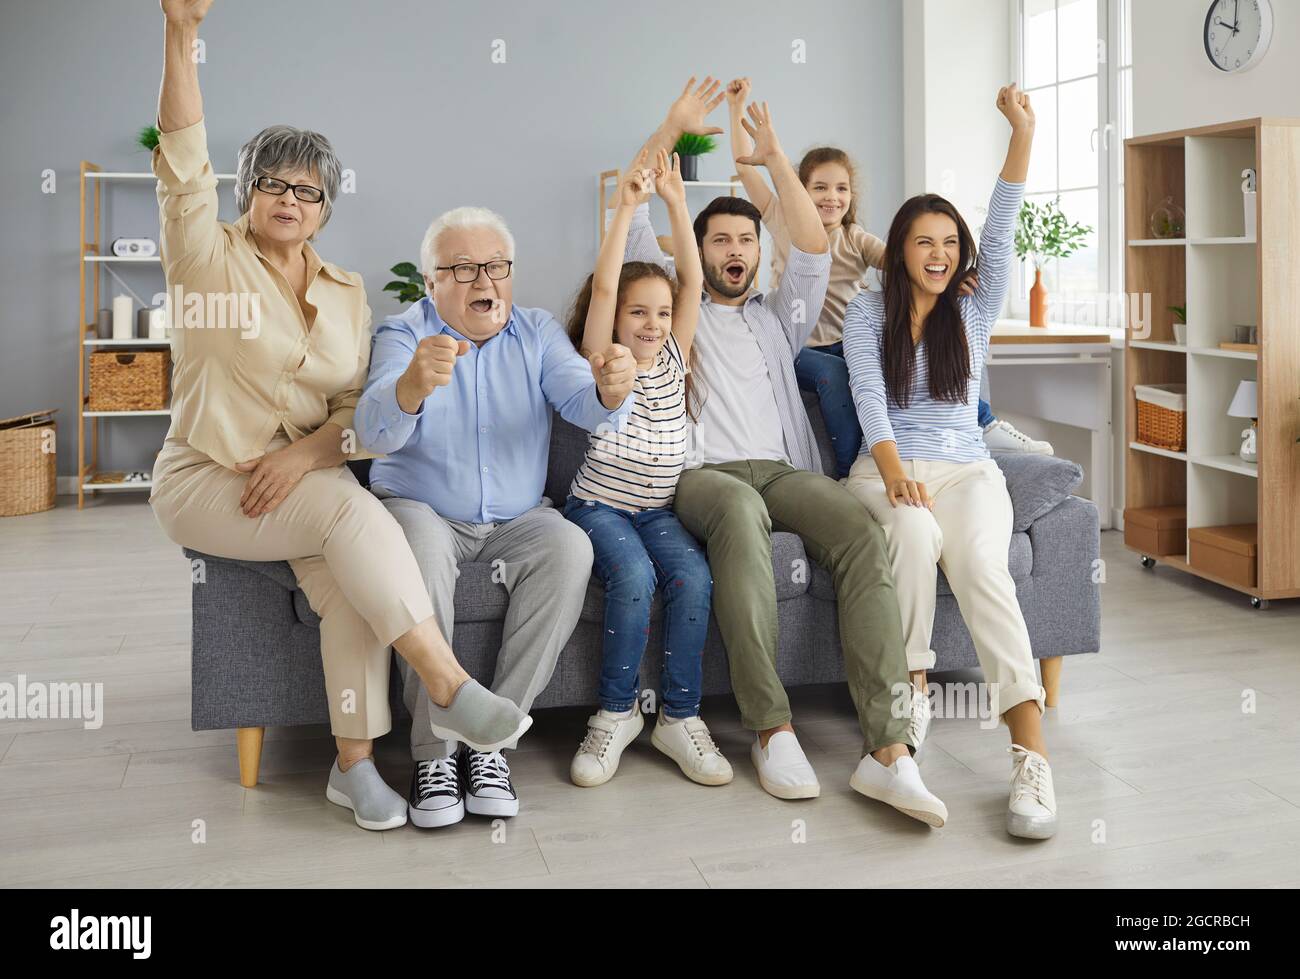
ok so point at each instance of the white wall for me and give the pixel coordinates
(956, 55)
(1176, 87)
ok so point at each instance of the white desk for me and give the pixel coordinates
(1061, 374)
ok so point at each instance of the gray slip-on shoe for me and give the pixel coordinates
(363, 790)
(479, 718)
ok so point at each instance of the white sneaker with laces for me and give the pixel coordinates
(783, 768)
(899, 785)
(689, 743)
(919, 726)
(488, 789)
(598, 755)
(1002, 436)
(1031, 810)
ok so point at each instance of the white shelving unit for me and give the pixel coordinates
(92, 261)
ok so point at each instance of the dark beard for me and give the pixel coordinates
(715, 280)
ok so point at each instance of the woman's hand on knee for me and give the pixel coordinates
(272, 477)
(902, 490)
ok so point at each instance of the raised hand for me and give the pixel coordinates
(738, 92)
(686, 114)
(759, 126)
(615, 374)
(635, 185)
(668, 179)
(185, 11)
(1014, 104)
(430, 368)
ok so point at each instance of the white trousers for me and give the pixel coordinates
(968, 534)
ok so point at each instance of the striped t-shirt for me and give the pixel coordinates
(927, 429)
(637, 468)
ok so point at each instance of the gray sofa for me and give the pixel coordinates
(256, 643)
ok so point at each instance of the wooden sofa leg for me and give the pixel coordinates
(249, 742)
(1052, 678)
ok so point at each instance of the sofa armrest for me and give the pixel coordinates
(1037, 484)
(1065, 614)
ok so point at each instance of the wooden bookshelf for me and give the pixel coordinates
(1225, 279)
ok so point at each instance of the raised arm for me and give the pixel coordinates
(690, 274)
(802, 220)
(179, 101)
(189, 235)
(633, 190)
(997, 236)
(685, 115)
(742, 146)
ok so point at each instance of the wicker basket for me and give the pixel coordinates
(137, 381)
(1162, 415)
(27, 463)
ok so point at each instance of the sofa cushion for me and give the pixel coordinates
(1036, 484)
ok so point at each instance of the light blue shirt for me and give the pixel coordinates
(477, 449)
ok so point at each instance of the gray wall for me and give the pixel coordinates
(413, 103)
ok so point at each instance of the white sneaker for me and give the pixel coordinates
(1031, 810)
(783, 768)
(689, 743)
(919, 726)
(899, 785)
(598, 755)
(1002, 436)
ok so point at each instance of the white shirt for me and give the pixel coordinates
(739, 418)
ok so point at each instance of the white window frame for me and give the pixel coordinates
(1109, 139)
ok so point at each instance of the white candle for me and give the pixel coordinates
(123, 318)
(157, 323)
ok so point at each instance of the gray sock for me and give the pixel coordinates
(363, 790)
(479, 718)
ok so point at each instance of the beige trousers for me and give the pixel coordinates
(968, 534)
(349, 555)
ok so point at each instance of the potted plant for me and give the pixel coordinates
(690, 147)
(409, 284)
(148, 137)
(1044, 232)
(1180, 319)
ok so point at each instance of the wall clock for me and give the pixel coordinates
(1237, 33)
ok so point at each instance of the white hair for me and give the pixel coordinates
(462, 217)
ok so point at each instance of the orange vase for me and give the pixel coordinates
(1038, 301)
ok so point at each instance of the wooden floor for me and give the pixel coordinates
(1163, 779)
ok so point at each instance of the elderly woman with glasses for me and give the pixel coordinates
(268, 363)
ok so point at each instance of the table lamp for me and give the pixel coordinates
(1244, 406)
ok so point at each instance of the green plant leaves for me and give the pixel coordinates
(691, 144)
(409, 288)
(1043, 231)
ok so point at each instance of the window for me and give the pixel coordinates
(1067, 67)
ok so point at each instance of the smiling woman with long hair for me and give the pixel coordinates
(915, 354)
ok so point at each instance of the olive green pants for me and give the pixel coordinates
(733, 508)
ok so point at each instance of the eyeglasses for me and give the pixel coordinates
(304, 192)
(468, 271)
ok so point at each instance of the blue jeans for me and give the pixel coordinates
(823, 372)
(635, 554)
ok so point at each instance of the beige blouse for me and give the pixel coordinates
(853, 251)
(244, 363)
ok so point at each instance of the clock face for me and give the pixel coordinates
(1237, 33)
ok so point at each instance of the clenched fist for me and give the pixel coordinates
(431, 367)
(615, 374)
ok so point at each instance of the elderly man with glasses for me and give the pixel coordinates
(459, 401)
